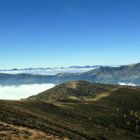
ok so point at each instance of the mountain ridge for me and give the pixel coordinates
(73, 91)
(107, 75)
(111, 115)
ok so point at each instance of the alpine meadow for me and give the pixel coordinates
(69, 70)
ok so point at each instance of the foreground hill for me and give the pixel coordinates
(129, 74)
(112, 113)
(73, 91)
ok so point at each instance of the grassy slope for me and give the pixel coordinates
(111, 116)
(78, 90)
(14, 132)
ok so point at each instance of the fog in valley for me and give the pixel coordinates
(22, 91)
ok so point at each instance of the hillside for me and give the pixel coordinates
(129, 74)
(19, 79)
(112, 114)
(73, 91)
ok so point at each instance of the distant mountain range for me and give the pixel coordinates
(51, 71)
(52, 68)
(70, 67)
(128, 74)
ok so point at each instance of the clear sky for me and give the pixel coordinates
(50, 33)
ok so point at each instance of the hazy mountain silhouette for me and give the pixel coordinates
(109, 75)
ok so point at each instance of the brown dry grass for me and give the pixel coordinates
(14, 132)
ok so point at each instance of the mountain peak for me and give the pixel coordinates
(78, 90)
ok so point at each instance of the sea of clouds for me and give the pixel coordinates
(43, 71)
(22, 91)
(127, 84)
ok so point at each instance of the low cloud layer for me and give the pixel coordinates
(127, 84)
(43, 71)
(22, 91)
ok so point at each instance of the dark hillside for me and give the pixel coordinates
(73, 90)
(114, 113)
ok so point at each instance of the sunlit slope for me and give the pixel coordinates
(112, 114)
(126, 74)
(73, 91)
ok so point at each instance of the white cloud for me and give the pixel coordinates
(22, 91)
(44, 71)
(127, 84)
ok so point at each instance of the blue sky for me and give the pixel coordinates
(42, 33)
